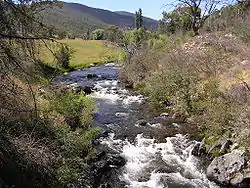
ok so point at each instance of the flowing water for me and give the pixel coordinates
(158, 155)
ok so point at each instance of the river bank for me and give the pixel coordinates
(203, 80)
(136, 147)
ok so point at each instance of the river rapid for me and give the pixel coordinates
(155, 148)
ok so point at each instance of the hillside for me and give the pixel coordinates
(77, 19)
(148, 21)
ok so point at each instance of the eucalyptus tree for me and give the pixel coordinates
(199, 10)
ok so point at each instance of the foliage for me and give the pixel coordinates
(72, 105)
(75, 147)
(63, 56)
(97, 34)
(243, 31)
(113, 34)
(175, 86)
(138, 19)
(74, 142)
(135, 37)
(159, 42)
(178, 19)
(196, 11)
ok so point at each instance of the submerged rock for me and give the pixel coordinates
(227, 169)
(104, 168)
(86, 89)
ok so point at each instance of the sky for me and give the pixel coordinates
(152, 9)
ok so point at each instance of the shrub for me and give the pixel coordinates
(175, 86)
(63, 56)
(135, 37)
(73, 140)
(113, 34)
(243, 31)
(97, 34)
(76, 108)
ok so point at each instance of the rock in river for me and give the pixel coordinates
(227, 169)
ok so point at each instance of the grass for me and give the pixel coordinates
(86, 53)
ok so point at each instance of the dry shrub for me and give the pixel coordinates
(208, 55)
(16, 101)
(239, 93)
(140, 66)
(34, 151)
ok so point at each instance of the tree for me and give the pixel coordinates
(178, 19)
(88, 34)
(97, 34)
(63, 56)
(113, 34)
(138, 19)
(199, 10)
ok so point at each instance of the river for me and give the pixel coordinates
(157, 149)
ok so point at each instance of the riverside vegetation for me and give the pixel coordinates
(201, 76)
(46, 131)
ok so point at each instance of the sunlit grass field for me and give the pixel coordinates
(85, 53)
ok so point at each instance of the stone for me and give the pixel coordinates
(225, 169)
(86, 89)
(245, 62)
(141, 122)
(115, 160)
(199, 149)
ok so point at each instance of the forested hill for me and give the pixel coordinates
(77, 18)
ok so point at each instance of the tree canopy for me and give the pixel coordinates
(138, 19)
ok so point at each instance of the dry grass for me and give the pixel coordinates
(218, 55)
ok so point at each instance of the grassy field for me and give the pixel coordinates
(85, 53)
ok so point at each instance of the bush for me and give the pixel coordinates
(72, 120)
(135, 37)
(113, 34)
(175, 86)
(76, 108)
(75, 147)
(97, 34)
(243, 31)
(63, 56)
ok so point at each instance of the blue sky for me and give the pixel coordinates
(150, 8)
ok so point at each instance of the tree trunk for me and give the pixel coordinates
(196, 30)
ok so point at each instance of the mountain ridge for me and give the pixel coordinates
(77, 18)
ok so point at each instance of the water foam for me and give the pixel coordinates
(109, 91)
(159, 165)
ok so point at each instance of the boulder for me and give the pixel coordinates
(226, 169)
(86, 89)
